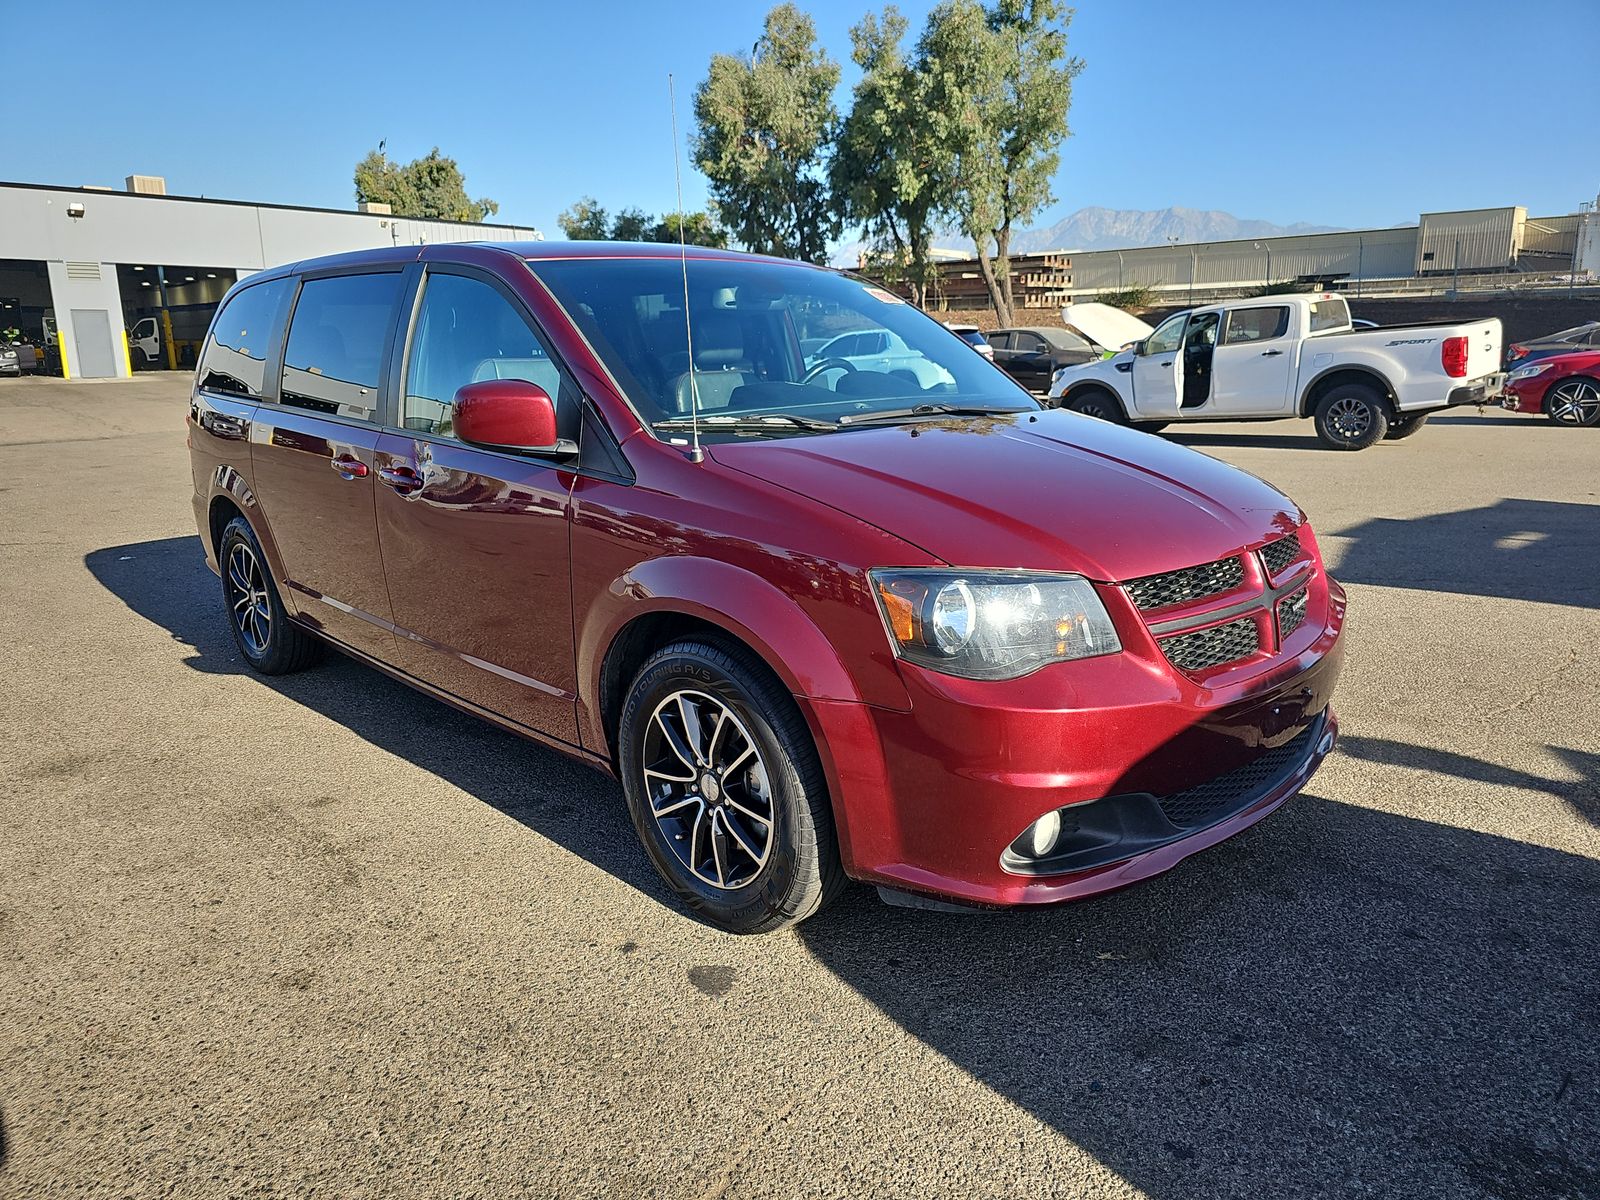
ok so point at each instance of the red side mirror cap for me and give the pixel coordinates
(506, 414)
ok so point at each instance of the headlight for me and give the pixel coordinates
(1529, 371)
(992, 624)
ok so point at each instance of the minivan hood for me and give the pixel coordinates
(1048, 491)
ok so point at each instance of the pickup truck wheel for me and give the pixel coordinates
(1097, 403)
(261, 628)
(1574, 402)
(1352, 416)
(725, 788)
(1404, 427)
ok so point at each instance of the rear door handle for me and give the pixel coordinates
(404, 480)
(1270, 353)
(349, 467)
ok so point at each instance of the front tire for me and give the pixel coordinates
(261, 627)
(1574, 402)
(1352, 416)
(725, 789)
(1097, 403)
(1403, 427)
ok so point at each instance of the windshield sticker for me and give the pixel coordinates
(877, 293)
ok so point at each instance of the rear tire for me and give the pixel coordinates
(1403, 427)
(1574, 402)
(261, 628)
(725, 788)
(1352, 416)
(1098, 403)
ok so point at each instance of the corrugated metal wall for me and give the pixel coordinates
(1363, 254)
(1480, 239)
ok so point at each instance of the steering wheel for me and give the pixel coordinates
(829, 364)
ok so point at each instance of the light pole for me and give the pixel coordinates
(1172, 240)
(1267, 246)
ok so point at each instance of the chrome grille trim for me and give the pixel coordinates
(1185, 585)
(1279, 554)
(1207, 648)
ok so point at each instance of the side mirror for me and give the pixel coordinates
(1137, 348)
(507, 414)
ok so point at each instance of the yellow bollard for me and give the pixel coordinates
(166, 330)
(127, 355)
(61, 344)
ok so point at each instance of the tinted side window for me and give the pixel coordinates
(1257, 324)
(1028, 343)
(334, 358)
(467, 332)
(1000, 341)
(235, 355)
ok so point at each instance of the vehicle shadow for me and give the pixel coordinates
(1276, 441)
(168, 583)
(1541, 550)
(1339, 1002)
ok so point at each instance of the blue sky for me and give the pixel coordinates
(1349, 114)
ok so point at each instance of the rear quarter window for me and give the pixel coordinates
(1332, 313)
(234, 359)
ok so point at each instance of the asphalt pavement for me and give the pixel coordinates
(322, 936)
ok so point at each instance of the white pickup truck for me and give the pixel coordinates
(1277, 357)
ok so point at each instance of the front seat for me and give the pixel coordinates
(720, 366)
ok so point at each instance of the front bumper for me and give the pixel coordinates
(929, 800)
(1525, 395)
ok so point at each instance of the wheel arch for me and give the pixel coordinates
(1093, 385)
(1337, 376)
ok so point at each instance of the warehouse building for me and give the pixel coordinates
(101, 282)
(1484, 245)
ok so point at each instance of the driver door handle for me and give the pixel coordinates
(1168, 363)
(1271, 353)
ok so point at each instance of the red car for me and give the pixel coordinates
(896, 624)
(1565, 387)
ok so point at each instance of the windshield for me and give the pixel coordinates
(770, 340)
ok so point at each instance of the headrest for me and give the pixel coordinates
(718, 341)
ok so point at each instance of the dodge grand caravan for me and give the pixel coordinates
(820, 620)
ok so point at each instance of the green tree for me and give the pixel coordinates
(430, 187)
(1001, 89)
(699, 229)
(585, 221)
(632, 225)
(891, 171)
(766, 122)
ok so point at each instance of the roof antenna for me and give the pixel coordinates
(695, 453)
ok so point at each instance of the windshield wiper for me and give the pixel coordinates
(928, 410)
(749, 423)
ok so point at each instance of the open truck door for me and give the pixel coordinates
(1157, 370)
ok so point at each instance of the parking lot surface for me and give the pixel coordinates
(321, 935)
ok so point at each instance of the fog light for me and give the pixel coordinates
(1043, 834)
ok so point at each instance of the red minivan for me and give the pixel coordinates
(821, 616)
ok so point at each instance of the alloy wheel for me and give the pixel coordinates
(1576, 402)
(708, 789)
(248, 599)
(1350, 418)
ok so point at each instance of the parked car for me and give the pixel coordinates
(1291, 356)
(820, 623)
(1564, 387)
(1034, 354)
(876, 350)
(10, 360)
(1578, 338)
(973, 336)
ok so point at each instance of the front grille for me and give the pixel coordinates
(1211, 801)
(1279, 554)
(1291, 613)
(1186, 585)
(1212, 647)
